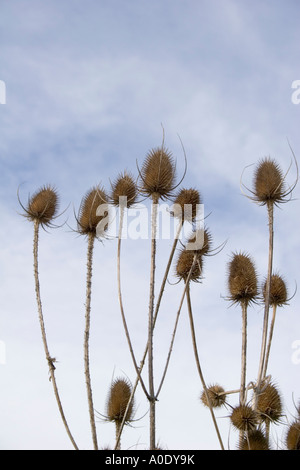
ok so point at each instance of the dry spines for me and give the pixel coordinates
(158, 174)
(269, 404)
(216, 395)
(89, 218)
(242, 279)
(117, 401)
(244, 418)
(187, 267)
(186, 204)
(124, 187)
(268, 182)
(255, 440)
(278, 291)
(42, 206)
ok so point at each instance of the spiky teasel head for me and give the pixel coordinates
(200, 242)
(255, 440)
(242, 279)
(269, 184)
(124, 187)
(244, 418)
(42, 207)
(293, 436)
(278, 291)
(89, 215)
(117, 401)
(184, 265)
(186, 204)
(269, 404)
(158, 174)
(216, 396)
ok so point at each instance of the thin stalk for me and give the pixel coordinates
(150, 321)
(244, 354)
(50, 360)
(91, 239)
(270, 341)
(270, 208)
(198, 365)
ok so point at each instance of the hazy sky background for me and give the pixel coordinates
(89, 85)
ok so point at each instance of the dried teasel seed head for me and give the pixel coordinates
(124, 186)
(117, 401)
(89, 215)
(216, 396)
(269, 404)
(42, 206)
(200, 242)
(186, 204)
(242, 279)
(268, 182)
(293, 436)
(255, 440)
(278, 291)
(184, 264)
(158, 174)
(244, 418)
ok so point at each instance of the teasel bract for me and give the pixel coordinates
(92, 223)
(293, 436)
(243, 289)
(244, 418)
(269, 404)
(186, 204)
(117, 409)
(124, 188)
(216, 394)
(254, 440)
(42, 209)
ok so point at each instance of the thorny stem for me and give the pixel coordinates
(150, 321)
(154, 321)
(49, 359)
(270, 208)
(244, 354)
(198, 364)
(91, 239)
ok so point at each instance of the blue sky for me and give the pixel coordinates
(88, 87)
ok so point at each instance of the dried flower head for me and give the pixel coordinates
(184, 264)
(89, 215)
(242, 279)
(158, 173)
(269, 404)
(244, 418)
(255, 440)
(268, 182)
(42, 206)
(124, 186)
(216, 395)
(200, 242)
(278, 291)
(293, 436)
(117, 401)
(186, 204)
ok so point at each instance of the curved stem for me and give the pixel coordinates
(49, 359)
(270, 341)
(198, 365)
(244, 354)
(90, 249)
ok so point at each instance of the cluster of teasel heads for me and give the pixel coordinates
(157, 181)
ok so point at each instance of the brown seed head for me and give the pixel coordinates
(186, 204)
(269, 404)
(244, 418)
(278, 291)
(242, 279)
(216, 396)
(185, 263)
(124, 186)
(88, 219)
(42, 206)
(158, 173)
(268, 182)
(118, 398)
(293, 436)
(200, 242)
(255, 440)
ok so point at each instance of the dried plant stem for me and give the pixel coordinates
(152, 399)
(243, 355)
(270, 207)
(142, 363)
(270, 341)
(91, 239)
(49, 359)
(198, 364)
(122, 308)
